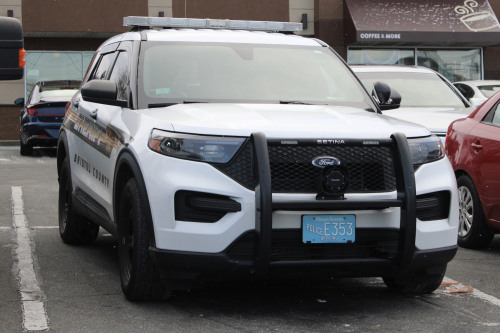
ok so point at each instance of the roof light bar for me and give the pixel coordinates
(174, 22)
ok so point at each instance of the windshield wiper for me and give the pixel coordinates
(294, 102)
(163, 105)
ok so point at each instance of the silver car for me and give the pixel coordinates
(478, 91)
(428, 98)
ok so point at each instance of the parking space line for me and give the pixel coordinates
(34, 314)
(477, 293)
(46, 227)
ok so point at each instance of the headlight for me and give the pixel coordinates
(201, 148)
(425, 150)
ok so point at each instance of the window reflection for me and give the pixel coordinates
(382, 56)
(55, 66)
(455, 65)
(120, 75)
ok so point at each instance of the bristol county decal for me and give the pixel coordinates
(85, 165)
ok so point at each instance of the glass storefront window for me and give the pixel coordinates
(52, 66)
(381, 56)
(455, 65)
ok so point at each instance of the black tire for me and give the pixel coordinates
(73, 228)
(473, 232)
(25, 150)
(399, 285)
(140, 278)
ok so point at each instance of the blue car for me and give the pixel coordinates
(44, 113)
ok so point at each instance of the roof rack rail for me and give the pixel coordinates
(143, 22)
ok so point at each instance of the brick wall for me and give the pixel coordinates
(9, 126)
(329, 24)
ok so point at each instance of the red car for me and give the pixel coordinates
(473, 147)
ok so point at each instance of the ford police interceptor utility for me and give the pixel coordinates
(217, 149)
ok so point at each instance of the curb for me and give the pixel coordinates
(9, 143)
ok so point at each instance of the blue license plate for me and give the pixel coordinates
(328, 228)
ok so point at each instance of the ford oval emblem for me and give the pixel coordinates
(324, 161)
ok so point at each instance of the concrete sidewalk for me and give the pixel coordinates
(9, 142)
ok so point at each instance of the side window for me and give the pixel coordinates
(496, 117)
(493, 116)
(120, 75)
(102, 69)
(89, 69)
(470, 92)
(460, 88)
(465, 90)
(31, 95)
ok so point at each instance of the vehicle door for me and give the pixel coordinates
(74, 128)
(484, 140)
(107, 134)
(91, 133)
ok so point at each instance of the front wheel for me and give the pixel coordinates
(409, 287)
(140, 278)
(73, 228)
(473, 232)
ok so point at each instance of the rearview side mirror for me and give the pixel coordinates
(11, 49)
(386, 98)
(19, 101)
(103, 92)
(476, 102)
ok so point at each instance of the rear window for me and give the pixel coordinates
(416, 89)
(489, 91)
(58, 93)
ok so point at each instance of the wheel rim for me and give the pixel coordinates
(466, 211)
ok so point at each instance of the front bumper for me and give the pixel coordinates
(183, 270)
(195, 250)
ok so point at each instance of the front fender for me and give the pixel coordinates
(126, 158)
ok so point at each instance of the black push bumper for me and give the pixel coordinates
(189, 269)
(405, 260)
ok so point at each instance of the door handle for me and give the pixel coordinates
(93, 114)
(476, 146)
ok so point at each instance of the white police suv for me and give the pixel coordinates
(217, 149)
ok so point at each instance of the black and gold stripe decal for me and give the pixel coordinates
(103, 139)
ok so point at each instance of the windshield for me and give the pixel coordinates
(416, 89)
(245, 73)
(489, 91)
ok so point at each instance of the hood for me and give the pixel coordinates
(436, 119)
(281, 121)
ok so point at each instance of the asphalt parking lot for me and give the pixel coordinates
(79, 286)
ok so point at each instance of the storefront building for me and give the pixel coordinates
(459, 39)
